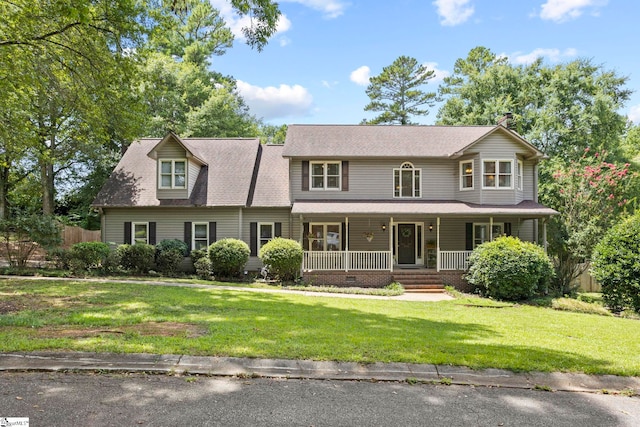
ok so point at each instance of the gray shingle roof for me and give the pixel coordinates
(229, 174)
(348, 141)
(272, 183)
(525, 209)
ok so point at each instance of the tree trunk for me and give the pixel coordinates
(4, 191)
(48, 191)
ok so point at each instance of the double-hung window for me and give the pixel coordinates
(481, 233)
(200, 235)
(173, 174)
(520, 174)
(466, 175)
(406, 181)
(497, 174)
(325, 237)
(265, 233)
(325, 175)
(140, 232)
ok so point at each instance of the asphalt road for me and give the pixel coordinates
(94, 399)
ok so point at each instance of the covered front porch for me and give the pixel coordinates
(438, 236)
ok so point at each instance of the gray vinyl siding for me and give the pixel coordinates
(468, 196)
(169, 221)
(250, 215)
(373, 179)
(192, 175)
(530, 180)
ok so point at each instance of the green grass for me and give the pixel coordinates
(118, 317)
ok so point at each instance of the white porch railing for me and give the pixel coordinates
(454, 260)
(347, 260)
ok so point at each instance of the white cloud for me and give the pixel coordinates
(634, 114)
(438, 75)
(276, 102)
(237, 23)
(360, 76)
(553, 55)
(328, 84)
(330, 8)
(284, 41)
(565, 10)
(453, 12)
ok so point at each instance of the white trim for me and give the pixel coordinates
(259, 236)
(497, 174)
(173, 174)
(397, 191)
(520, 175)
(133, 232)
(193, 234)
(463, 175)
(325, 176)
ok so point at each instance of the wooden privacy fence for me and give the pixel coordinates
(72, 235)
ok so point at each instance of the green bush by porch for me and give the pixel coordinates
(283, 256)
(509, 269)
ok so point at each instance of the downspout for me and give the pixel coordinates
(491, 229)
(240, 224)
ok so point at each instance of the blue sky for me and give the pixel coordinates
(316, 68)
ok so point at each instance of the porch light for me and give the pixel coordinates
(430, 226)
(383, 227)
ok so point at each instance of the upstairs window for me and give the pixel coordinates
(406, 181)
(466, 175)
(173, 174)
(497, 174)
(325, 175)
(520, 174)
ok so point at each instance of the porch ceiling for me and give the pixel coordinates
(525, 209)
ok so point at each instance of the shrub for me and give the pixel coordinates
(203, 268)
(228, 257)
(59, 257)
(21, 236)
(137, 258)
(616, 265)
(509, 269)
(196, 254)
(169, 254)
(283, 256)
(88, 255)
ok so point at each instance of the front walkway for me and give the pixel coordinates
(404, 297)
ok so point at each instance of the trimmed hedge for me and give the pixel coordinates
(228, 257)
(88, 255)
(616, 265)
(509, 269)
(138, 258)
(169, 254)
(283, 256)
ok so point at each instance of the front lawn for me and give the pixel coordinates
(117, 317)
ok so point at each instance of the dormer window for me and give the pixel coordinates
(173, 174)
(406, 181)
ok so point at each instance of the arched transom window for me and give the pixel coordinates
(406, 181)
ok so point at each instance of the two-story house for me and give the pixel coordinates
(364, 201)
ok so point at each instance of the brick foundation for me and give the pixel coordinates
(375, 279)
(361, 279)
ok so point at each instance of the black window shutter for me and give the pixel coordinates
(277, 232)
(187, 236)
(127, 233)
(345, 176)
(469, 236)
(213, 233)
(507, 228)
(253, 238)
(344, 236)
(305, 175)
(305, 236)
(152, 233)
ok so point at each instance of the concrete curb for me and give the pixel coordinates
(308, 369)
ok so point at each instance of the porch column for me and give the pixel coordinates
(491, 229)
(391, 243)
(544, 234)
(438, 244)
(346, 243)
(301, 237)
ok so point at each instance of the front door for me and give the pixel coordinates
(406, 243)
